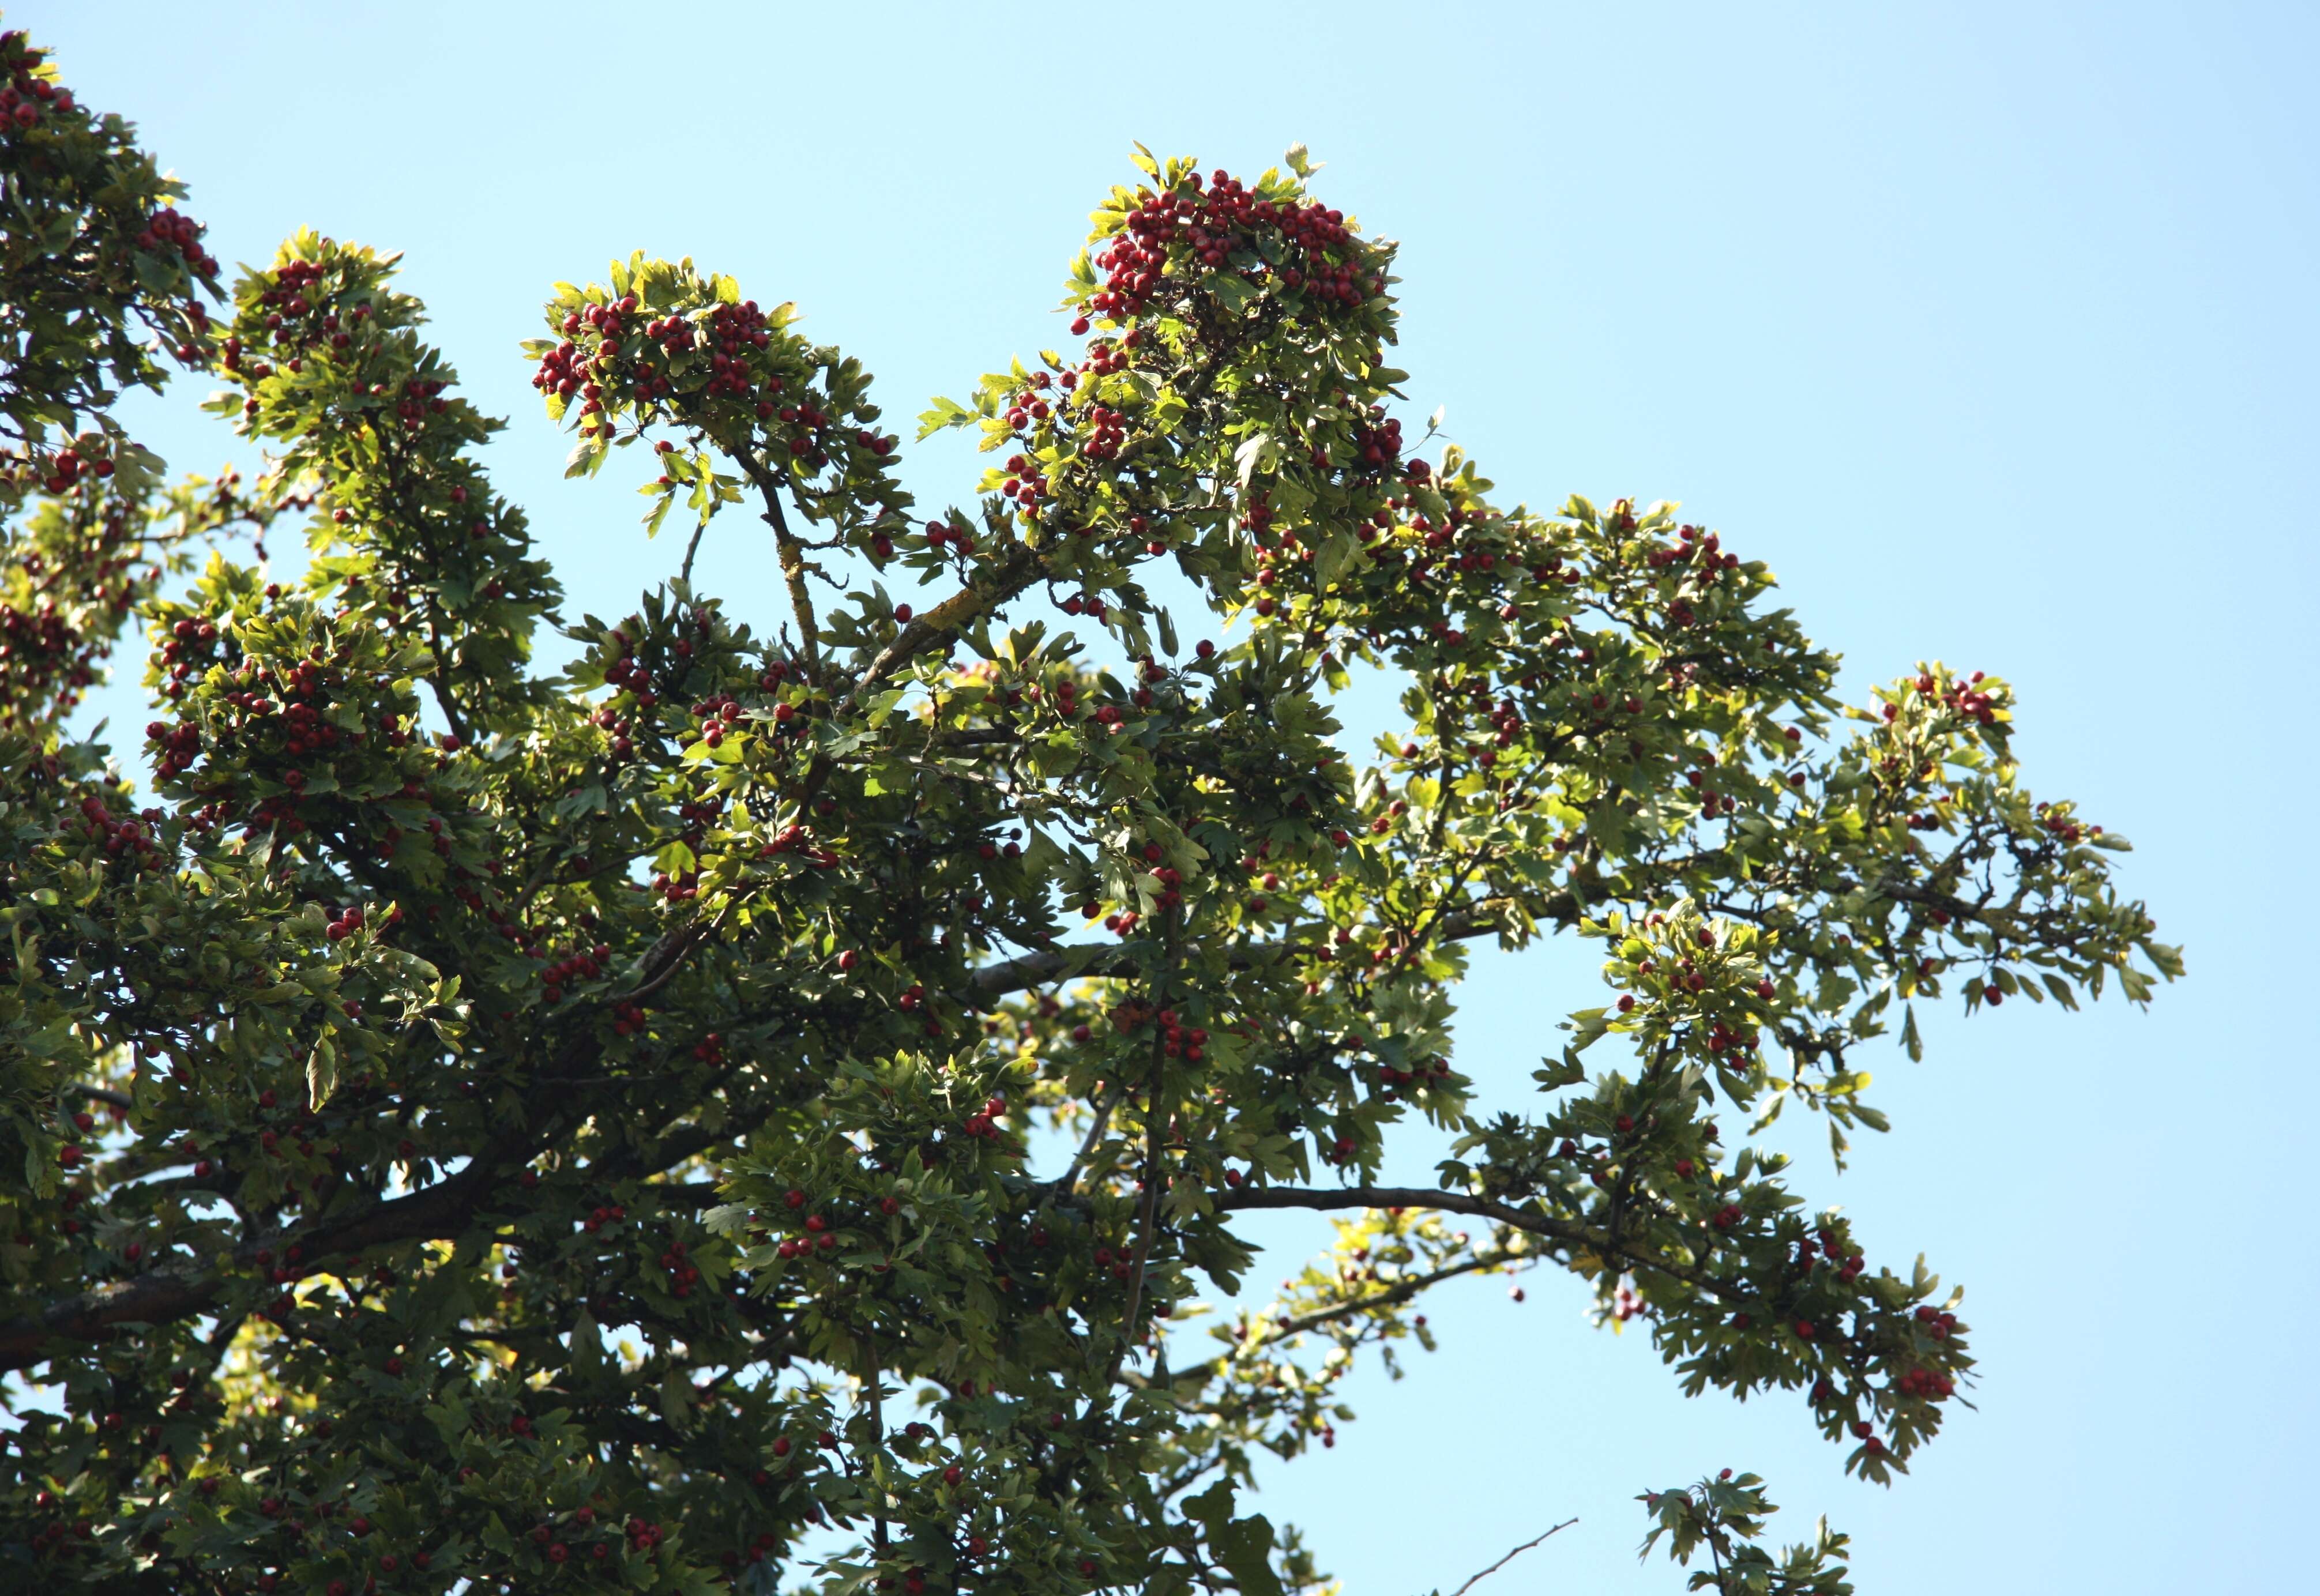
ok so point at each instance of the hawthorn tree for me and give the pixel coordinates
(747, 1108)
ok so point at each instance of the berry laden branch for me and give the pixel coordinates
(656, 1065)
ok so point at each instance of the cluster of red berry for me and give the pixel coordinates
(1397, 1081)
(584, 965)
(748, 382)
(190, 647)
(1377, 441)
(1306, 243)
(65, 602)
(171, 229)
(715, 715)
(295, 291)
(1831, 1252)
(2057, 820)
(679, 887)
(125, 836)
(816, 1234)
(985, 1122)
(682, 1276)
(271, 728)
(69, 464)
(1177, 1040)
(1938, 1322)
(1694, 548)
(625, 673)
(1965, 696)
(26, 99)
(1927, 1384)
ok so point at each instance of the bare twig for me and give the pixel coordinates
(1510, 1556)
(1071, 1175)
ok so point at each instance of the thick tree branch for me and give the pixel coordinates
(793, 562)
(1017, 571)
(442, 1211)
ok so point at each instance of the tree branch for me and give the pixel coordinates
(1400, 1290)
(792, 563)
(1569, 1232)
(443, 1212)
(1510, 1556)
(1011, 577)
(440, 1212)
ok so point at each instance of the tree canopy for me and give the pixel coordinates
(759, 1111)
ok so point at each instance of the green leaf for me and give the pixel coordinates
(1212, 1507)
(728, 1219)
(1258, 452)
(944, 412)
(585, 457)
(322, 1073)
(1336, 555)
(1554, 1074)
(1244, 1547)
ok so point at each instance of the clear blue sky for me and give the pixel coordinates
(1991, 326)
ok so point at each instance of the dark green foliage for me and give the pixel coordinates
(749, 1109)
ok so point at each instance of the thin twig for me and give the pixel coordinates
(1400, 1290)
(1071, 1175)
(692, 548)
(1509, 1558)
(1572, 1233)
